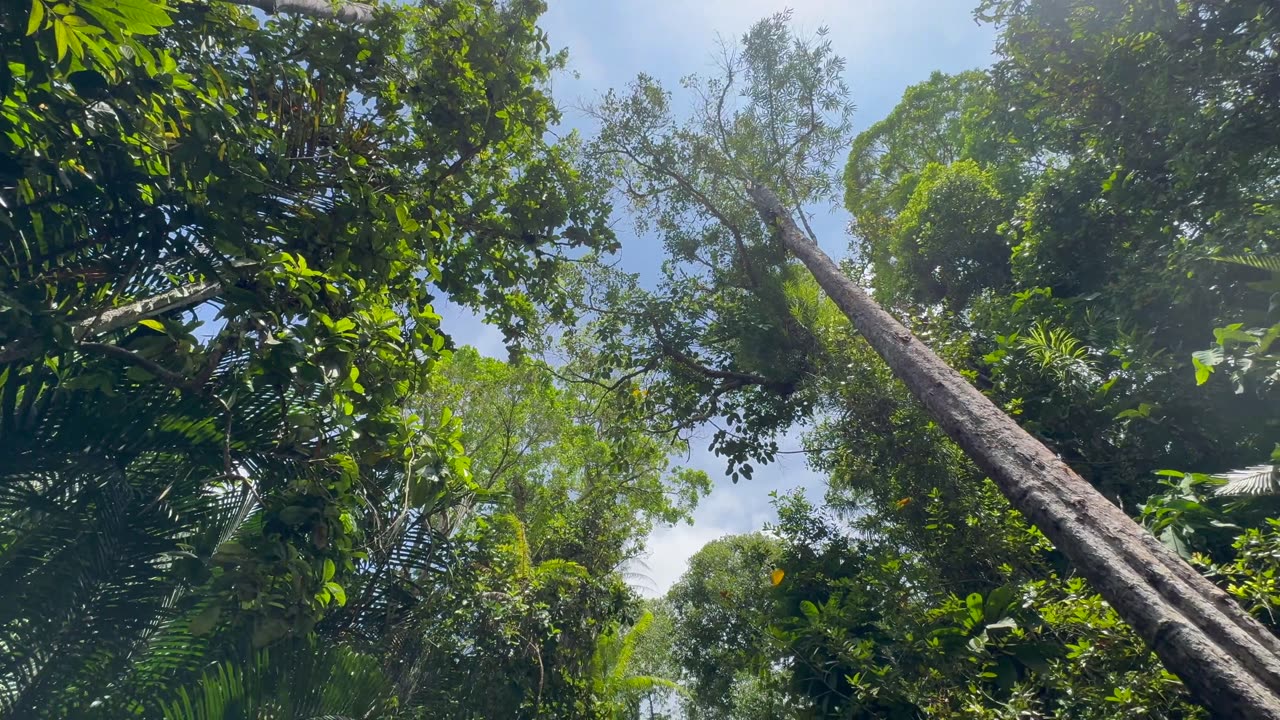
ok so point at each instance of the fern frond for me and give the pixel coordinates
(1255, 480)
(1270, 263)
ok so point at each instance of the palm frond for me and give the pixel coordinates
(1255, 480)
(300, 681)
(1060, 353)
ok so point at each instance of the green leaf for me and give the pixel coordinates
(1142, 411)
(329, 570)
(139, 374)
(36, 20)
(1202, 371)
(809, 609)
(143, 16)
(339, 595)
(1260, 262)
(974, 603)
(60, 38)
(407, 223)
(997, 603)
(1234, 333)
(1035, 655)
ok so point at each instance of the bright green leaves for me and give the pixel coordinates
(927, 196)
(407, 223)
(517, 423)
(1058, 352)
(98, 33)
(330, 591)
(1204, 362)
(810, 611)
(947, 243)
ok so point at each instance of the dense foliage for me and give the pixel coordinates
(223, 236)
(1070, 233)
(246, 474)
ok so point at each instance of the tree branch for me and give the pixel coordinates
(348, 12)
(712, 209)
(178, 298)
(166, 376)
(736, 379)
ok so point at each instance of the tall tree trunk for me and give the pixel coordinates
(348, 12)
(1227, 659)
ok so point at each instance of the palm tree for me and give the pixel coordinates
(618, 691)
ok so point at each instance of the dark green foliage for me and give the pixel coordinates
(222, 239)
(244, 475)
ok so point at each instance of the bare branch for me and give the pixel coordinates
(165, 375)
(353, 13)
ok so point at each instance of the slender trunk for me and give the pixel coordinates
(183, 296)
(348, 12)
(1228, 660)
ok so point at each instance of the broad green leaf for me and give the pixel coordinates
(60, 38)
(997, 603)
(809, 609)
(974, 603)
(1202, 371)
(36, 19)
(339, 594)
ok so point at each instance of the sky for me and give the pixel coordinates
(888, 44)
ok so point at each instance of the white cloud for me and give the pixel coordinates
(667, 556)
(730, 509)
(889, 44)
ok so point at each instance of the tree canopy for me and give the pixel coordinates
(247, 472)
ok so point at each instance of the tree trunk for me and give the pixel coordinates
(1228, 660)
(348, 12)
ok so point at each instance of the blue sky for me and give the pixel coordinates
(889, 45)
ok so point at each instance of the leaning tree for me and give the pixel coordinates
(727, 191)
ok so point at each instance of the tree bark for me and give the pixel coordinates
(1228, 660)
(183, 296)
(347, 12)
